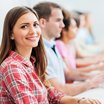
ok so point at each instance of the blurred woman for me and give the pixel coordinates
(68, 50)
(84, 41)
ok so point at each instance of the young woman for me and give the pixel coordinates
(23, 63)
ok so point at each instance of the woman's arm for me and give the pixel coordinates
(18, 86)
(73, 100)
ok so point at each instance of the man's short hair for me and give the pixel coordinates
(44, 9)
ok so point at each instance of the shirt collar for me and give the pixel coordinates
(49, 43)
(21, 59)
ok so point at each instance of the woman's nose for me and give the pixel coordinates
(35, 31)
(32, 30)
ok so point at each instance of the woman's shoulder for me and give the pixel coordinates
(8, 64)
(59, 42)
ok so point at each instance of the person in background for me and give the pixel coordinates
(23, 63)
(88, 25)
(84, 41)
(51, 23)
(66, 47)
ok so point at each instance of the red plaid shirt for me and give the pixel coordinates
(19, 84)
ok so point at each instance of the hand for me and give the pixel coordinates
(88, 101)
(100, 66)
(96, 80)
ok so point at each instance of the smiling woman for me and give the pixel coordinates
(23, 63)
(30, 31)
(22, 50)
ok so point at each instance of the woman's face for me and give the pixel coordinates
(72, 31)
(82, 21)
(26, 32)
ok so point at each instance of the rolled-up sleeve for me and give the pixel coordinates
(54, 96)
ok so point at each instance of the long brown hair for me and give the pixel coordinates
(8, 44)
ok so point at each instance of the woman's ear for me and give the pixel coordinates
(12, 37)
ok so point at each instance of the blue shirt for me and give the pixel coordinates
(56, 66)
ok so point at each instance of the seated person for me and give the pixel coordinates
(51, 23)
(84, 40)
(66, 47)
(22, 73)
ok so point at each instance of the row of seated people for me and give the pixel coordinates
(57, 70)
(69, 48)
(35, 73)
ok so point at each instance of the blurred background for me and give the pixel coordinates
(95, 7)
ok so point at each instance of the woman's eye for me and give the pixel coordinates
(36, 24)
(24, 27)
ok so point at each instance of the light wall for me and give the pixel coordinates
(94, 6)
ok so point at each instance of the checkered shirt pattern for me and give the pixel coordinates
(19, 83)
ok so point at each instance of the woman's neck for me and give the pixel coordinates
(25, 53)
(65, 40)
